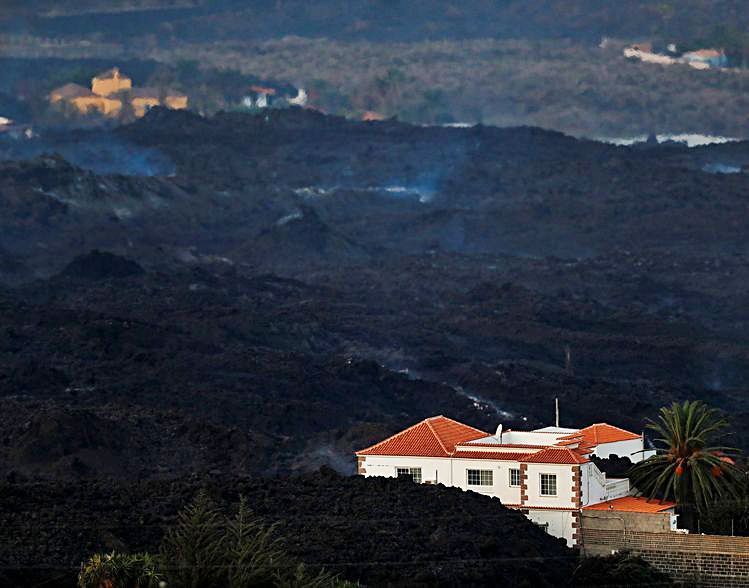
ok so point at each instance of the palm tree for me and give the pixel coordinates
(686, 468)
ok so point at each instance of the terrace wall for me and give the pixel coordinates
(703, 560)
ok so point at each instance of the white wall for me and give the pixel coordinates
(559, 523)
(500, 473)
(632, 448)
(433, 469)
(592, 484)
(617, 488)
(564, 497)
(450, 472)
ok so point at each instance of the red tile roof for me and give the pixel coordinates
(556, 455)
(263, 90)
(704, 53)
(370, 116)
(503, 445)
(535, 507)
(497, 455)
(602, 433)
(432, 437)
(632, 504)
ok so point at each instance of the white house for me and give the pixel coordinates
(705, 58)
(547, 473)
(648, 56)
(300, 99)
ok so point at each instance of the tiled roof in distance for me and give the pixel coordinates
(495, 455)
(604, 433)
(432, 437)
(556, 455)
(632, 504)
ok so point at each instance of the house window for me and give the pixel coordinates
(514, 477)
(548, 485)
(480, 477)
(413, 473)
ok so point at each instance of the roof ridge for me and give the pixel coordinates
(398, 434)
(618, 428)
(613, 427)
(459, 423)
(436, 436)
(574, 455)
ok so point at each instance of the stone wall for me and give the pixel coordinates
(705, 560)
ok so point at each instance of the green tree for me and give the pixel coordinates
(206, 549)
(686, 467)
(192, 552)
(251, 550)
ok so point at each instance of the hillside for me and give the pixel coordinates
(382, 532)
(304, 285)
(388, 20)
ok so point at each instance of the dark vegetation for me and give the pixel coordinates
(304, 285)
(208, 548)
(380, 531)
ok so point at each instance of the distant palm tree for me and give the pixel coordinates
(686, 467)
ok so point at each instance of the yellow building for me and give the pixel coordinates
(142, 99)
(108, 92)
(110, 82)
(85, 101)
(175, 101)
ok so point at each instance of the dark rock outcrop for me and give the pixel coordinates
(100, 265)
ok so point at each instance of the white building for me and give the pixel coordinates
(546, 473)
(648, 56)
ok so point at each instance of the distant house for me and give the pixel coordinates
(645, 47)
(259, 96)
(110, 82)
(637, 52)
(110, 90)
(85, 101)
(143, 99)
(300, 99)
(175, 100)
(371, 116)
(704, 58)
(546, 473)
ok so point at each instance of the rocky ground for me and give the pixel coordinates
(304, 285)
(371, 528)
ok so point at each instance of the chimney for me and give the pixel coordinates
(556, 409)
